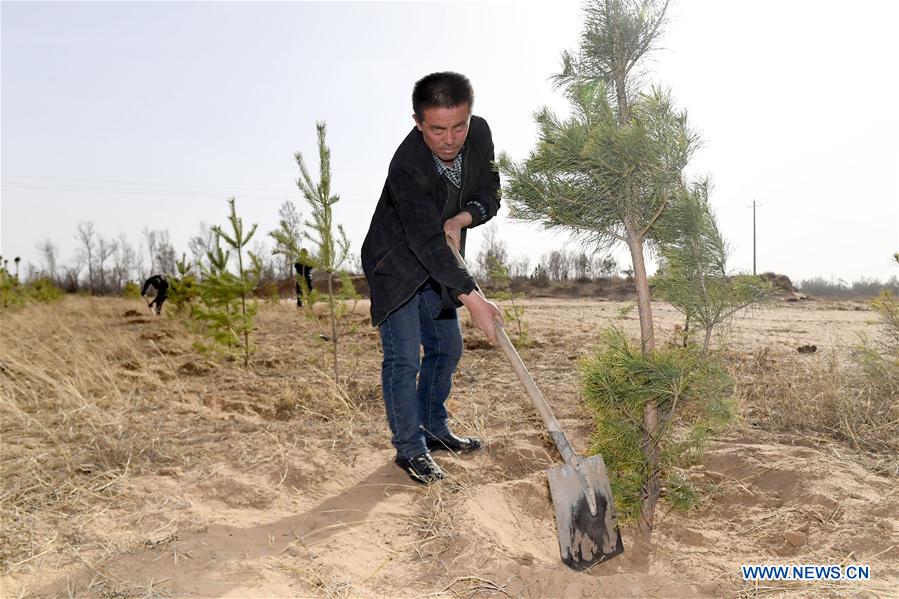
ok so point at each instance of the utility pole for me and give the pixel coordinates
(753, 235)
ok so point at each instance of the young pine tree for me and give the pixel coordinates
(693, 274)
(332, 247)
(226, 305)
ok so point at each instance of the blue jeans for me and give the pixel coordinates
(414, 408)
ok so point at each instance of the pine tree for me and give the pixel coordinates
(226, 306)
(607, 173)
(332, 247)
(693, 274)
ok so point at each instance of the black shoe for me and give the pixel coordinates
(452, 443)
(422, 468)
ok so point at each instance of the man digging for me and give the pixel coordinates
(441, 181)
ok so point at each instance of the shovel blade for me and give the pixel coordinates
(585, 538)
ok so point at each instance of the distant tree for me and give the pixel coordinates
(200, 246)
(165, 255)
(152, 243)
(105, 249)
(553, 263)
(47, 250)
(582, 266)
(88, 244)
(493, 257)
(540, 276)
(520, 267)
(125, 263)
(288, 238)
(607, 266)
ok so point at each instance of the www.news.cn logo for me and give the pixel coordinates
(806, 572)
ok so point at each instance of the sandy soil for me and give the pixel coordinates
(271, 485)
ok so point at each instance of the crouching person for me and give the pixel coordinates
(161, 287)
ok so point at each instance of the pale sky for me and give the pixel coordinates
(153, 114)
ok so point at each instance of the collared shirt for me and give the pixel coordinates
(454, 172)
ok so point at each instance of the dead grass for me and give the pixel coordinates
(93, 395)
(75, 425)
(97, 407)
(855, 400)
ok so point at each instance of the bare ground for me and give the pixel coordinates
(136, 466)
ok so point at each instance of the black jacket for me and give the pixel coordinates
(405, 244)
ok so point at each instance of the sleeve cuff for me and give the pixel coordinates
(478, 212)
(469, 286)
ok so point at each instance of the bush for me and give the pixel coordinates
(691, 391)
(131, 290)
(14, 294)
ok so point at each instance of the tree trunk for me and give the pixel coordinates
(333, 323)
(644, 308)
(649, 494)
(708, 336)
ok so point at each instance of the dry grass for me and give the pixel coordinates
(97, 409)
(76, 404)
(855, 400)
(93, 394)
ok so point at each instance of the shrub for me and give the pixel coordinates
(14, 294)
(131, 290)
(690, 390)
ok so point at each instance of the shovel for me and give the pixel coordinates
(580, 490)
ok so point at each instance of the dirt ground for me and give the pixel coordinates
(206, 479)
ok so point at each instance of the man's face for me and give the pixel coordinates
(445, 129)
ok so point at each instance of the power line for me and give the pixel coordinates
(32, 180)
(144, 188)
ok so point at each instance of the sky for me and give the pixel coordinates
(134, 115)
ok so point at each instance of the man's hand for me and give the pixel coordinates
(484, 313)
(453, 228)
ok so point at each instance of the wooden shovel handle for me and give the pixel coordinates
(505, 344)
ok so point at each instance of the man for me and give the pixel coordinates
(161, 287)
(440, 182)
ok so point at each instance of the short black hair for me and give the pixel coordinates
(441, 90)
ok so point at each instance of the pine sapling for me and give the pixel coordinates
(332, 247)
(226, 305)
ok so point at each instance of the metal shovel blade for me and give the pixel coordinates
(588, 529)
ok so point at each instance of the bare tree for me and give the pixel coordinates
(520, 267)
(124, 261)
(201, 246)
(70, 275)
(86, 237)
(152, 248)
(162, 254)
(493, 254)
(582, 266)
(291, 222)
(566, 263)
(47, 250)
(553, 262)
(105, 249)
